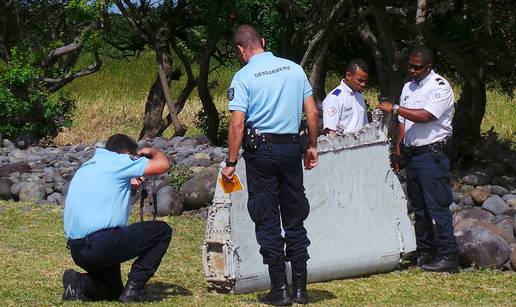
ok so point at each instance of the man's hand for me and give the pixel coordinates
(310, 158)
(385, 106)
(227, 173)
(395, 163)
(136, 183)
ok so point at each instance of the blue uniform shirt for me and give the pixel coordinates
(271, 91)
(100, 192)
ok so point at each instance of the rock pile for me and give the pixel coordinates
(42, 174)
(484, 198)
(485, 214)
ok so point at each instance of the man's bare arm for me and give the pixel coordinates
(158, 161)
(235, 136)
(312, 116)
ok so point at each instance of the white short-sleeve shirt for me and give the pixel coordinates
(344, 110)
(434, 94)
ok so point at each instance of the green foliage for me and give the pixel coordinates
(26, 107)
(179, 174)
(201, 122)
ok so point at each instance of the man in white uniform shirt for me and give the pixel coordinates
(344, 110)
(425, 115)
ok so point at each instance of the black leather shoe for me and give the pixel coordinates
(279, 294)
(448, 264)
(299, 273)
(134, 292)
(424, 258)
(73, 287)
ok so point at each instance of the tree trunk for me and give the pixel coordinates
(204, 91)
(318, 73)
(153, 123)
(469, 111)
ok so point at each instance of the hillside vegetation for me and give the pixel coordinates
(113, 101)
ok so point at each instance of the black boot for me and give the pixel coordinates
(299, 273)
(424, 258)
(73, 286)
(279, 294)
(134, 292)
(448, 264)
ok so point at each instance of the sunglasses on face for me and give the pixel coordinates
(416, 67)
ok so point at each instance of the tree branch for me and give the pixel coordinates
(54, 84)
(56, 53)
(332, 19)
(420, 20)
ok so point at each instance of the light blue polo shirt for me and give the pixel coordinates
(99, 193)
(271, 91)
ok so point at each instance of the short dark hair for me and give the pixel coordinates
(247, 37)
(425, 53)
(121, 143)
(355, 64)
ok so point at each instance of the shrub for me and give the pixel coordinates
(179, 174)
(201, 122)
(25, 106)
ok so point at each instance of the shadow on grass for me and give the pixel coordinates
(165, 290)
(317, 295)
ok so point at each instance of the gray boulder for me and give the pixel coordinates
(32, 191)
(496, 205)
(198, 192)
(475, 213)
(468, 201)
(466, 189)
(509, 196)
(476, 178)
(479, 242)
(169, 202)
(506, 226)
(480, 194)
(16, 188)
(498, 190)
(56, 198)
(20, 167)
(512, 259)
(160, 143)
(511, 202)
(5, 188)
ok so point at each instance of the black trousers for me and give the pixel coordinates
(101, 253)
(276, 199)
(429, 190)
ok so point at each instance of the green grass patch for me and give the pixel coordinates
(33, 257)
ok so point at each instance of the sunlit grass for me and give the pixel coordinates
(33, 256)
(113, 100)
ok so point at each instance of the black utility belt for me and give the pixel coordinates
(419, 150)
(279, 138)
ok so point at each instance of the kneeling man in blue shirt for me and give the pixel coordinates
(96, 212)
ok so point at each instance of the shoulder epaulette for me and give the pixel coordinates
(440, 81)
(336, 92)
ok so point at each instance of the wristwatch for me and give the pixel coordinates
(395, 109)
(230, 163)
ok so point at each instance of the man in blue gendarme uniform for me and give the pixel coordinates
(425, 116)
(269, 94)
(96, 214)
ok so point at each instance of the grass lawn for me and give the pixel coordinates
(33, 256)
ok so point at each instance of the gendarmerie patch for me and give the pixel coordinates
(231, 93)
